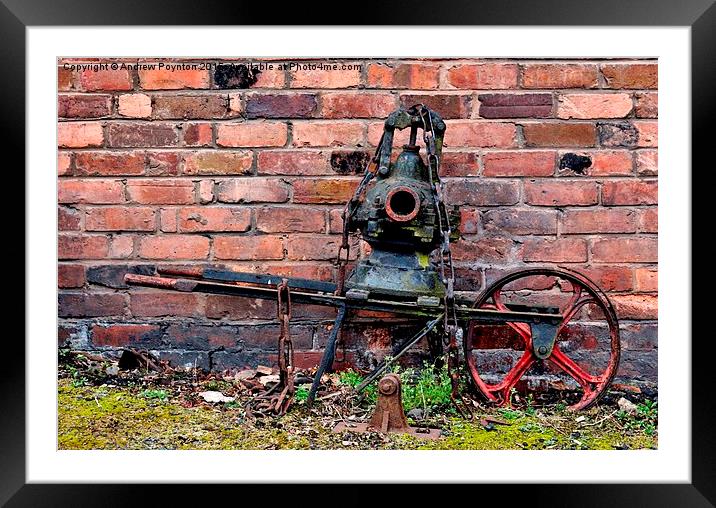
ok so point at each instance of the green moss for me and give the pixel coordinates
(92, 417)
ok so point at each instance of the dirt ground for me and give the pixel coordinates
(103, 407)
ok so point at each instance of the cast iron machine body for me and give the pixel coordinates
(400, 210)
(399, 218)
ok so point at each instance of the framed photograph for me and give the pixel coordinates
(245, 222)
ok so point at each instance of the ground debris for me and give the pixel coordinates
(214, 397)
(627, 406)
(97, 410)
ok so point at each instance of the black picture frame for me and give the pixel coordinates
(699, 15)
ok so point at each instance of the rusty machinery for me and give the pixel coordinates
(546, 318)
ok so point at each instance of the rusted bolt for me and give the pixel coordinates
(389, 384)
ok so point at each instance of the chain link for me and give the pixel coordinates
(451, 330)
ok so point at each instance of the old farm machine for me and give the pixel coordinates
(555, 323)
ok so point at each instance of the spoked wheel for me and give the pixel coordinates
(586, 352)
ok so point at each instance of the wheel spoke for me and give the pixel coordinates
(569, 366)
(523, 329)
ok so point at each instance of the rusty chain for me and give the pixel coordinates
(268, 401)
(349, 211)
(451, 331)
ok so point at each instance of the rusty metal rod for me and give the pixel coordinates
(464, 313)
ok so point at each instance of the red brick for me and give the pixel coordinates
(84, 106)
(298, 163)
(248, 247)
(553, 75)
(637, 75)
(630, 192)
(326, 78)
(190, 106)
(562, 250)
(109, 163)
(206, 191)
(484, 76)
(270, 78)
(68, 219)
(519, 163)
(168, 220)
(173, 79)
(599, 221)
(164, 303)
(64, 164)
(323, 191)
(142, 134)
(521, 222)
(479, 134)
(119, 218)
(290, 220)
(303, 248)
(515, 105)
(205, 218)
(197, 134)
(335, 221)
(95, 81)
(65, 78)
(161, 191)
(594, 105)
(328, 134)
(215, 162)
(459, 164)
(121, 246)
(649, 221)
(610, 278)
(296, 105)
(481, 192)
(625, 250)
(70, 276)
(357, 105)
(163, 163)
(648, 133)
(559, 134)
(647, 280)
(469, 221)
(252, 134)
(414, 76)
(252, 190)
(122, 335)
(560, 193)
(640, 306)
(647, 162)
(449, 105)
(134, 105)
(319, 271)
(235, 309)
(79, 134)
(174, 247)
(647, 105)
(90, 191)
(483, 250)
(611, 163)
(90, 305)
(73, 246)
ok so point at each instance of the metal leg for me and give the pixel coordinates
(328, 355)
(397, 353)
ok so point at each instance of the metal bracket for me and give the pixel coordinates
(544, 336)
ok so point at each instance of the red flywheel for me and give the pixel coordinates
(586, 352)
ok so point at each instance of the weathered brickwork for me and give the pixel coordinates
(552, 163)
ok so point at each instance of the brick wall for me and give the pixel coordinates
(551, 162)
